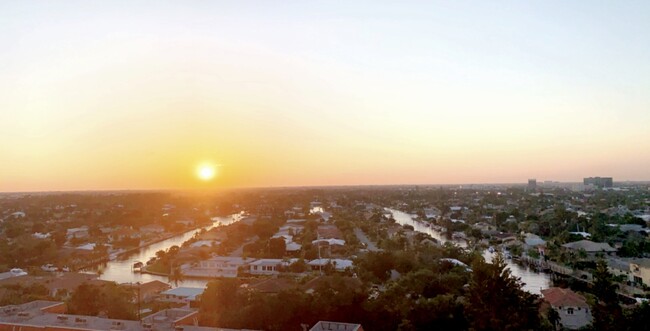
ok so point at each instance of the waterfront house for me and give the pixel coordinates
(184, 295)
(640, 269)
(432, 212)
(217, 266)
(504, 237)
(124, 233)
(619, 268)
(147, 292)
(572, 308)
(152, 228)
(591, 248)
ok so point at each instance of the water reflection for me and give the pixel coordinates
(121, 269)
(534, 281)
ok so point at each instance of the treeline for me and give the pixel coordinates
(429, 294)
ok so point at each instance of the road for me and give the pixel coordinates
(364, 239)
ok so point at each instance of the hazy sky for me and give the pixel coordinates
(136, 94)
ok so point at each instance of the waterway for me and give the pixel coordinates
(533, 281)
(120, 270)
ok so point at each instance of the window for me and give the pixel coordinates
(569, 311)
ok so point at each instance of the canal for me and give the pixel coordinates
(120, 270)
(534, 281)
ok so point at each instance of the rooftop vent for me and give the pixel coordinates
(62, 318)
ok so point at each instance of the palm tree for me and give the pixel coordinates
(175, 274)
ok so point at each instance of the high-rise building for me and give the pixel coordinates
(599, 181)
(532, 184)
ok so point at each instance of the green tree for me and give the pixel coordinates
(218, 295)
(113, 300)
(496, 300)
(277, 247)
(607, 310)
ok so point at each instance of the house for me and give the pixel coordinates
(217, 266)
(505, 237)
(330, 242)
(87, 247)
(147, 292)
(39, 235)
(573, 308)
(432, 212)
(289, 228)
(81, 232)
(335, 326)
(185, 222)
(184, 295)
(268, 266)
(124, 233)
(152, 228)
(619, 268)
(485, 228)
(204, 243)
(293, 247)
(590, 247)
(640, 269)
(533, 240)
(296, 220)
(265, 267)
(329, 231)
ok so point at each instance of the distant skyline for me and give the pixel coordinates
(137, 95)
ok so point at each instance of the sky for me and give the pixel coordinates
(138, 94)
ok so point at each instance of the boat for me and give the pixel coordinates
(17, 272)
(49, 267)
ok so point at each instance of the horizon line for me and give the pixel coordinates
(643, 181)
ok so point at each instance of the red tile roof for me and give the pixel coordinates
(561, 297)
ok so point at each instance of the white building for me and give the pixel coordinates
(265, 267)
(218, 266)
(268, 266)
(181, 295)
(573, 309)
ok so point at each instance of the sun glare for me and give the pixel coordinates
(206, 172)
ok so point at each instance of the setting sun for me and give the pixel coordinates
(206, 172)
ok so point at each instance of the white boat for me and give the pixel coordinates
(17, 272)
(49, 267)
